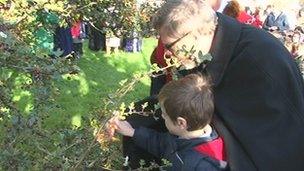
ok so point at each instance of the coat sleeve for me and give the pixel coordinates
(154, 142)
(195, 161)
(204, 165)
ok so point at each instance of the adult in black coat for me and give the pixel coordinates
(259, 91)
(259, 96)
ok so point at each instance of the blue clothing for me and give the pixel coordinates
(179, 152)
(63, 40)
(281, 22)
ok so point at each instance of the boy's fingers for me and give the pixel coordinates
(116, 123)
(113, 126)
(110, 133)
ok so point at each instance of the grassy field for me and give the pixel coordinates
(100, 75)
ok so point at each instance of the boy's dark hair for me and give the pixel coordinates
(189, 97)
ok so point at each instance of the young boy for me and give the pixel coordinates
(187, 108)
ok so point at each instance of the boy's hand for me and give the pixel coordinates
(122, 127)
(110, 128)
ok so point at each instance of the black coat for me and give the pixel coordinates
(179, 152)
(259, 99)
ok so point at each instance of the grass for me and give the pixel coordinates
(54, 142)
(99, 76)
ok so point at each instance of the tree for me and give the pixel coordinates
(25, 143)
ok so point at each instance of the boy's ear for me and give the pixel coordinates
(182, 123)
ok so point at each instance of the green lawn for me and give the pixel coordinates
(99, 76)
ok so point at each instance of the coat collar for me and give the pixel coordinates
(224, 42)
(186, 144)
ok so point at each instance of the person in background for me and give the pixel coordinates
(301, 31)
(257, 18)
(63, 41)
(295, 44)
(266, 12)
(245, 16)
(77, 32)
(276, 21)
(300, 17)
(295, 47)
(158, 79)
(192, 144)
(232, 9)
(248, 10)
(97, 36)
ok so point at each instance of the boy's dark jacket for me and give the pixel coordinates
(259, 99)
(179, 152)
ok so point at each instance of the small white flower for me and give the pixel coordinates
(3, 34)
(126, 163)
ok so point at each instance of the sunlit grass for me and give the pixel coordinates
(99, 76)
(80, 93)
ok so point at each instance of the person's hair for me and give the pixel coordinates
(191, 98)
(269, 6)
(299, 29)
(257, 11)
(294, 49)
(179, 17)
(247, 9)
(232, 9)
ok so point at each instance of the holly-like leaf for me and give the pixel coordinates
(144, 105)
(132, 106)
(204, 58)
(122, 107)
(156, 106)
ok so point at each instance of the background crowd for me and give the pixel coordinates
(286, 25)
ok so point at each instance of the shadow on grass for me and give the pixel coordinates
(100, 75)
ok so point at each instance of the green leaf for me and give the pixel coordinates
(156, 106)
(32, 120)
(58, 52)
(204, 58)
(15, 120)
(132, 106)
(122, 107)
(3, 1)
(144, 105)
